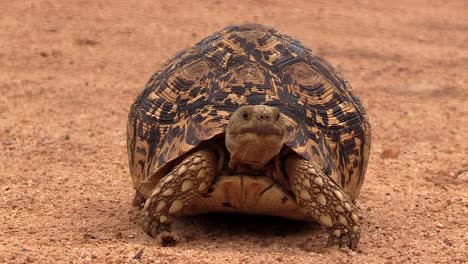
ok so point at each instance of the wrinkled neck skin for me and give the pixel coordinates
(254, 136)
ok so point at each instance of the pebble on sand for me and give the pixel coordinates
(390, 153)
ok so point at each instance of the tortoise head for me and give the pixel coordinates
(255, 134)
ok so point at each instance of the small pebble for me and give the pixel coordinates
(89, 236)
(86, 42)
(8, 142)
(463, 176)
(390, 153)
(138, 254)
(448, 242)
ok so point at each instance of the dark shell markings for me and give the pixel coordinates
(191, 99)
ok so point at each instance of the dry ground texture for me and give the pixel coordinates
(69, 71)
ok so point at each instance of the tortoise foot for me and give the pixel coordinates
(347, 240)
(187, 180)
(325, 201)
(138, 199)
(153, 226)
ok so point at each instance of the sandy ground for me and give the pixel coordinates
(69, 72)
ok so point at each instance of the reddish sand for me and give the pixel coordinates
(69, 72)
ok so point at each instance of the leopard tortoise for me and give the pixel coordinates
(249, 121)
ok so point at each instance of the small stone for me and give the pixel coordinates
(439, 225)
(8, 142)
(86, 42)
(448, 242)
(138, 254)
(119, 235)
(66, 137)
(390, 153)
(463, 176)
(89, 236)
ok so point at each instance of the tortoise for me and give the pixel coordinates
(250, 121)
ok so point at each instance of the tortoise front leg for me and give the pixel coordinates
(325, 201)
(190, 178)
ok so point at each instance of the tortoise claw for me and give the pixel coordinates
(150, 226)
(153, 227)
(349, 240)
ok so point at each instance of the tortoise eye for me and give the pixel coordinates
(245, 115)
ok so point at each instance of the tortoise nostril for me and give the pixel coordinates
(245, 115)
(264, 116)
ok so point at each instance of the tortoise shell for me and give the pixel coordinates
(190, 100)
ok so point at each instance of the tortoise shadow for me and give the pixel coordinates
(220, 229)
(230, 225)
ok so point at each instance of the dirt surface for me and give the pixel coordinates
(69, 72)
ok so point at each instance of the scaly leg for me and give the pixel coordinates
(190, 178)
(325, 201)
(138, 199)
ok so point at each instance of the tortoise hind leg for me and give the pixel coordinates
(189, 179)
(138, 199)
(325, 201)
